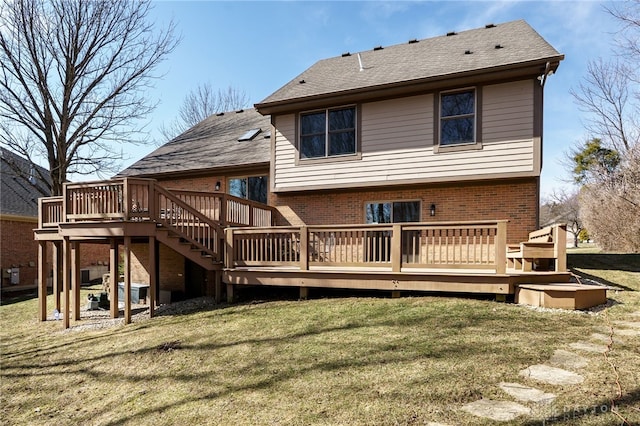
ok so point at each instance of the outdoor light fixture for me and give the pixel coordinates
(218, 186)
(432, 210)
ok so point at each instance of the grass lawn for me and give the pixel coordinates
(348, 360)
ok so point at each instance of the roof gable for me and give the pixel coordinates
(211, 144)
(505, 45)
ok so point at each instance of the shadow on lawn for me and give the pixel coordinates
(585, 278)
(619, 262)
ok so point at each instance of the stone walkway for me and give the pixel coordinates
(564, 368)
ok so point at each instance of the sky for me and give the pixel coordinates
(256, 47)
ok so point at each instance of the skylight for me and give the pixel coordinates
(249, 135)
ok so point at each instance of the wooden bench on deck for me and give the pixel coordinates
(544, 245)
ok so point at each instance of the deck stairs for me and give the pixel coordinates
(190, 249)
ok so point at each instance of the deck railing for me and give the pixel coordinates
(189, 223)
(398, 247)
(50, 211)
(138, 200)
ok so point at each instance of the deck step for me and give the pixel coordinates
(561, 295)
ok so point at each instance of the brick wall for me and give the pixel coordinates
(171, 267)
(515, 200)
(18, 249)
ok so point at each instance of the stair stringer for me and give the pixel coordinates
(187, 249)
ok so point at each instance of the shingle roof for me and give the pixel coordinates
(212, 143)
(419, 60)
(18, 195)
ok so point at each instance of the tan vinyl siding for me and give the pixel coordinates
(507, 111)
(397, 144)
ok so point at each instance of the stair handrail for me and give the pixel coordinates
(214, 240)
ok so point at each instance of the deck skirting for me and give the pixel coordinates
(432, 281)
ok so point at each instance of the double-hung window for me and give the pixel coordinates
(458, 117)
(328, 133)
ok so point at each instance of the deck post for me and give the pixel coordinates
(304, 293)
(127, 280)
(125, 200)
(230, 293)
(395, 294)
(65, 282)
(57, 273)
(560, 247)
(501, 247)
(396, 248)
(304, 248)
(115, 277)
(75, 278)
(153, 203)
(153, 276)
(42, 280)
(210, 280)
(218, 286)
(223, 210)
(228, 248)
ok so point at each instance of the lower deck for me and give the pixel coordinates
(433, 280)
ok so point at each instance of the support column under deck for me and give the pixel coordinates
(230, 293)
(75, 279)
(127, 280)
(114, 277)
(66, 263)
(42, 280)
(153, 276)
(57, 273)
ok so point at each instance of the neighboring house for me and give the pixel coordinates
(20, 189)
(22, 185)
(444, 131)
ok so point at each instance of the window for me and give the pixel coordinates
(393, 212)
(251, 188)
(457, 118)
(328, 133)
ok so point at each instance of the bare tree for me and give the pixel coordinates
(604, 96)
(73, 76)
(628, 15)
(563, 207)
(202, 102)
(610, 208)
(608, 166)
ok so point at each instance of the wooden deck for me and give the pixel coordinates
(236, 244)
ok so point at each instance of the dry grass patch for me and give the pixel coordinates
(327, 361)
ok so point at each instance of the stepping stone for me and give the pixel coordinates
(551, 375)
(496, 410)
(526, 393)
(605, 337)
(566, 359)
(628, 332)
(632, 324)
(589, 347)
